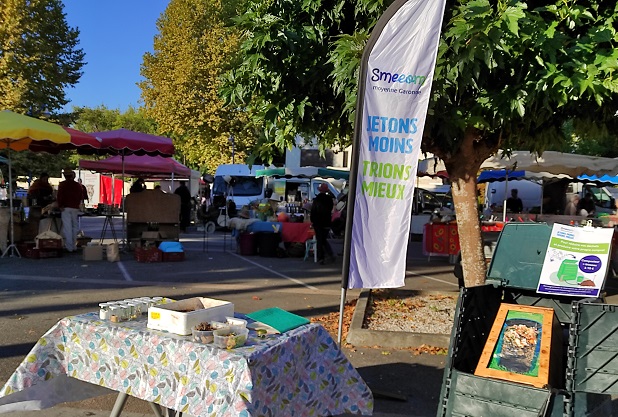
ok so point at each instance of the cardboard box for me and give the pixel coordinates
(181, 316)
(92, 253)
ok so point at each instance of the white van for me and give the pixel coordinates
(604, 197)
(238, 182)
(530, 192)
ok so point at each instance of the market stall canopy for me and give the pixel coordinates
(304, 172)
(127, 142)
(554, 162)
(605, 180)
(17, 131)
(81, 142)
(3, 160)
(503, 175)
(137, 165)
(431, 167)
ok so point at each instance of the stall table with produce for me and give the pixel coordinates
(294, 370)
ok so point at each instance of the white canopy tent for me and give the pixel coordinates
(554, 162)
(550, 162)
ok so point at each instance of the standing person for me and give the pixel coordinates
(321, 213)
(41, 193)
(514, 203)
(185, 205)
(84, 192)
(571, 207)
(206, 197)
(138, 186)
(586, 206)
(69, 199)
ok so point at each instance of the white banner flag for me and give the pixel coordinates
(396, 87)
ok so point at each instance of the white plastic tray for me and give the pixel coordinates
(180, 317)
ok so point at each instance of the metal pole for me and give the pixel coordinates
(11, 248)
(124, 232)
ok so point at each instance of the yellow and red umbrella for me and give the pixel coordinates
(18, 132)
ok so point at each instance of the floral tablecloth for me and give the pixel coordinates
(299, 373)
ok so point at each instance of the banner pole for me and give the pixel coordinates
(418, 19)
(358, 123)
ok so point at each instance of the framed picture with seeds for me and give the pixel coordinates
(524, 345)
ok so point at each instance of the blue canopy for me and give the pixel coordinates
(500, 175)
(605, 179)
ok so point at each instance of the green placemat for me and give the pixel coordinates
(279, 319)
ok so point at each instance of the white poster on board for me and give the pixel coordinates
(576, 261)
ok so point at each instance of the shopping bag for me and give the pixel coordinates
(113, 252)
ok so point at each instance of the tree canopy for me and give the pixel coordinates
(285, 78)
(39, 57)
(39, 60)
(101, 118)
(509, 75)
(194, 46)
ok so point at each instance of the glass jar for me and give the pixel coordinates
(115, 313)
(135, 310)
(104, 311)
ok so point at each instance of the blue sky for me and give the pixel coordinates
(114, 34)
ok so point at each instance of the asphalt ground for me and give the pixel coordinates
(35, 294)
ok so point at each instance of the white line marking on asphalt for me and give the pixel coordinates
(124, 272)
(275, 272)
(433, 279)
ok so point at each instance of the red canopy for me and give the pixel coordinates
(137, 165)
(82, 142)
(127, 142)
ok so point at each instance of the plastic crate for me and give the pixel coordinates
(594, 338)
(36, 253)
(173, 256)
(148, 255)
(589, 339)
(476, 396)
(49, 243)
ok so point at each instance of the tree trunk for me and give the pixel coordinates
(463, 168)
(470, 240)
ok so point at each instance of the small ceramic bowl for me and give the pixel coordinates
(227, 339)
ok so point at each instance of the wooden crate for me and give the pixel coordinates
(524, 345)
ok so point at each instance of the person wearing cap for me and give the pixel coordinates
(321, 214)
(69, 198)
(41, 193)
(274, 201)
